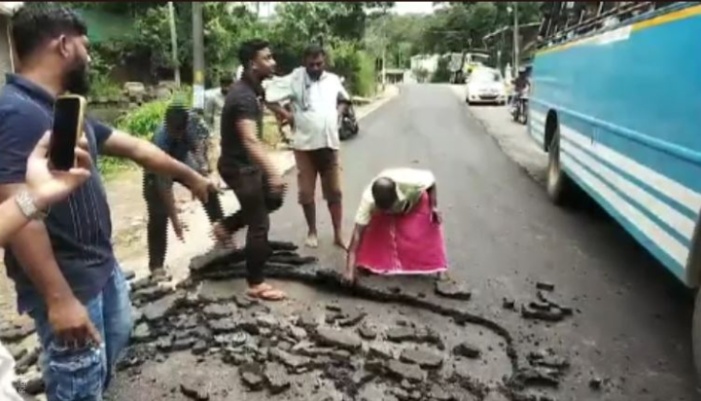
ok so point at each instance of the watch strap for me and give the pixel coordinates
(26, 203)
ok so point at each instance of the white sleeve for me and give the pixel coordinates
(279, 89)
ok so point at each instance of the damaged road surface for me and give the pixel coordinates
(543, 303)
(205, 340)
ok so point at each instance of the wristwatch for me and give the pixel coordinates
(27, 205)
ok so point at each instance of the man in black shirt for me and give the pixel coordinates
(246, 168)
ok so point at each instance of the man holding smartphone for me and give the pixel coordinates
(64, 268)
(44, 188)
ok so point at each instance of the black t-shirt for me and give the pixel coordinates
(243, 102)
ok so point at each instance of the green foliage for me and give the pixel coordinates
(442, 73)
(348, 61)
(141, 122)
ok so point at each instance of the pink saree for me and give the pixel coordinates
(403, 244)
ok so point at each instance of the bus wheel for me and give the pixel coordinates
(696, 335)
(558, 184)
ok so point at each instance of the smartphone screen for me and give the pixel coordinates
(67, 113)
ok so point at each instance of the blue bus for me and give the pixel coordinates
(616, 103)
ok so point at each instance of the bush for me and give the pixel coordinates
(348, 61)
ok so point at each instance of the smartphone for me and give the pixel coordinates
(69, 113)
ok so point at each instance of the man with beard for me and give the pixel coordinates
(246, 167)
(65, 272)
(315, 96)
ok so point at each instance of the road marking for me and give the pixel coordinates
(682, 194)
(676, 250)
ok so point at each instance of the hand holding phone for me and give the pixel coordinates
(69, 111)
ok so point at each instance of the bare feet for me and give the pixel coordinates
(266, 292)
(312, 241)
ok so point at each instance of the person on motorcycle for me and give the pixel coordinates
(521, 85)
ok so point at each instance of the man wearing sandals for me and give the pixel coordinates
(246, 167)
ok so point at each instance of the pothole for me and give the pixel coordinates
(205, 341)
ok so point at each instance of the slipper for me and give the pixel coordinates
(266, 292)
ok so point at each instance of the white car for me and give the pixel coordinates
(485, 85)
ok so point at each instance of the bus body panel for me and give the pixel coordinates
(628, 103)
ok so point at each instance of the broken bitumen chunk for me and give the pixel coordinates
(404, 371)
(380, 350)
(161, 308)
(231, 339)
(27, 361)
(200, 348)
(298, 333)
(33, 384)
(223, 326)
(596, 383)
(197, 393)
(251, 376)
(509, 304)
(351, 318)
(294, 362)
(538, 377)
(266, 321)
(422, 357)
(545, 286)
(218, 311)
(453, 290)
(142, 333)
(338, 338)
(276, 376)
(551, 315)
(16, 333)
(150, 294)
(367, 332)
(402, 333)
(467, 350)
(183, 343)
(548, 359)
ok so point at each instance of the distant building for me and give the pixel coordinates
(425, 62)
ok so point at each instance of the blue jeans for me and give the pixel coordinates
(83, 374)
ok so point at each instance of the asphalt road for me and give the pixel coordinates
(632, 322)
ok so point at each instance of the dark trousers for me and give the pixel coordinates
(157, 227)
(257, 202)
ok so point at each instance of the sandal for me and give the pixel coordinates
(159, 274)
(266, 292)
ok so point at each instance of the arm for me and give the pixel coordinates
(198, 137)
(147, 155)
(432, 196)
(247, 129)
(32, 248)
(283, 116)
(357, 236)
(19, 133)
(343, 97)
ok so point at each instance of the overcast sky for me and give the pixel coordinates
(410, 7)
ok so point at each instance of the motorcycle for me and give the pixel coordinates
(348, 126)
(519, 109)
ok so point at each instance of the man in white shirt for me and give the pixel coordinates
(314, 95)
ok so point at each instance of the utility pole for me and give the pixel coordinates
(198, 56)
(174, 43)
(516, 39)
